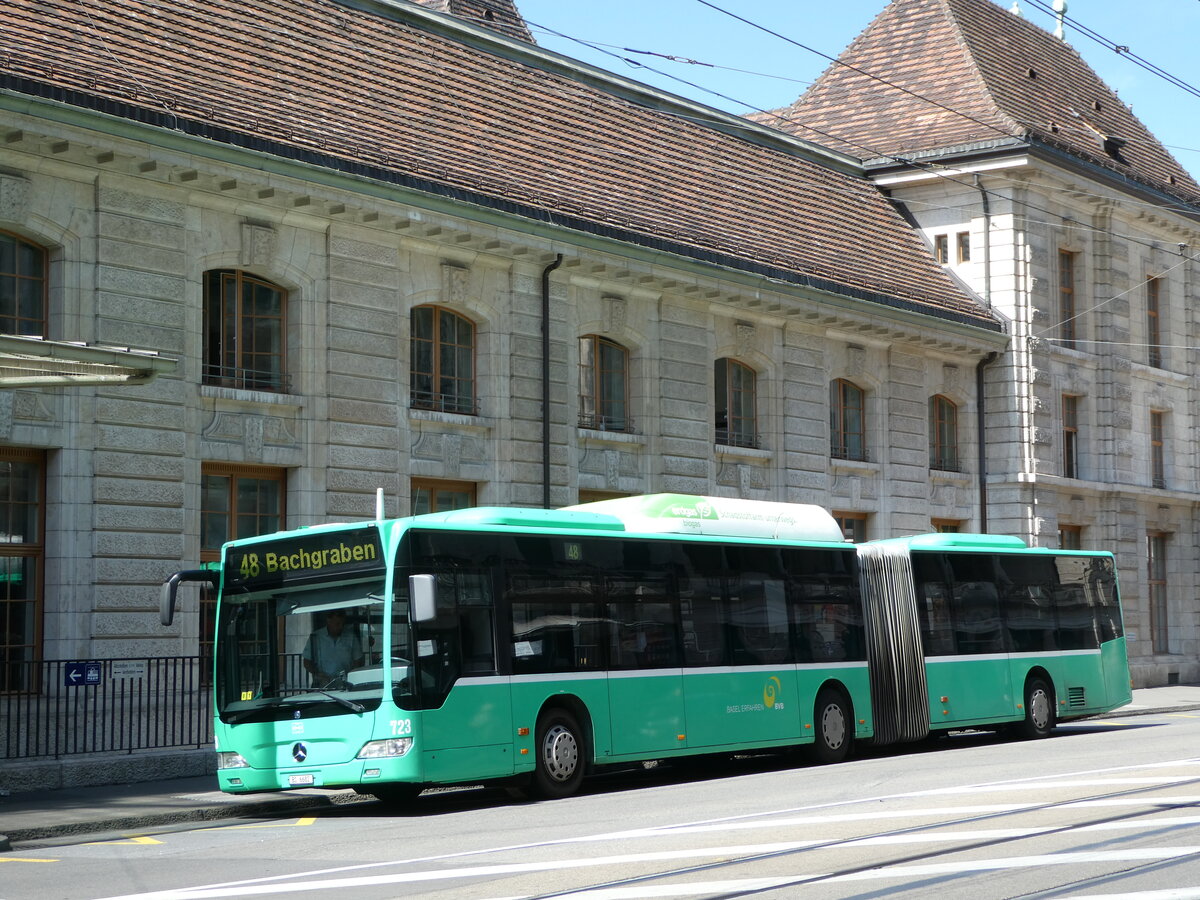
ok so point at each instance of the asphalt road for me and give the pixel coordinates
(1102, 808)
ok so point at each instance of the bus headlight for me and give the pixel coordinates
(231, 761)
(389, 747)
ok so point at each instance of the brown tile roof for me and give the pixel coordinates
(991, 75)
(500, 15)
(383, 93)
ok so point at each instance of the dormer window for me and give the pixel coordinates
(1112, 146)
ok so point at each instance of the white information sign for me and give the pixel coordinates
(127, 668)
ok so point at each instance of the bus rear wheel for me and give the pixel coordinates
(1039, 710)
(560, 755)
(834, 726)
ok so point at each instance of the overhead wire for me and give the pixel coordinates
(1120, 49)
(876, 152)
(1058, 219)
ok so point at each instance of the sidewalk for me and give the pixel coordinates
(119, 810)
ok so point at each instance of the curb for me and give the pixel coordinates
(121, 825)
(1128, 712)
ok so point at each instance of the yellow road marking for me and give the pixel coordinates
(129, 840)
(299, 823)
(1181, 716)
(4, 859)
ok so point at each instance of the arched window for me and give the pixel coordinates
(735, 402)
(603, 384)
(847, 421)
(245, 321)
(943, 434)
(443, 361)
(22, 287)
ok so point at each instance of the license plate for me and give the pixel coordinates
(298, 780)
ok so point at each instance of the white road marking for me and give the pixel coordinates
(633, 892)
(292, 882)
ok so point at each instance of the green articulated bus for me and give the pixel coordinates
(533, 646)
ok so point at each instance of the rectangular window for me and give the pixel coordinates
(644, 623)
(1158, 462)
(557, 623)
(1154, 355)
(1070, 537)
(947, 526)
(933, 604)
(964, 246)
(941, 248)
(603, 385)
(1070, 436)
(847, 421)
(735, 403)
(853, 525)
(975, 603)
(429, 495)
(1068, 330)
(702, 609)
(22, 287)
(1156, 572)
(235, 502)
(442, 372)
(22, 562)
(244, 332)
(943, 434)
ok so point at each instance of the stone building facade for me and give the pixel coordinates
(1038, 187)
(731, 311)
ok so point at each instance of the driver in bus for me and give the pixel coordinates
(332, 651)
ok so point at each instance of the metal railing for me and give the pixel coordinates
(596, 422)
(55, 708)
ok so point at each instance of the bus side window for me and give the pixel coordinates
(1101, 586)
(933, 606)
(976, 604)
(701, 606)
(475, 624)
(555, 625)
(758, 621)
(643, 626)
(1028, 586)
(1077, 628)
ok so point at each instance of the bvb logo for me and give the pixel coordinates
(771, 691)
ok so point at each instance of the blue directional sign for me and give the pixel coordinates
(82, 674)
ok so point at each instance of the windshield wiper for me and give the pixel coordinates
(349, 704)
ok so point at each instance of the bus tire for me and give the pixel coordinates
(1039, 709)
(560, 755)
(834, 725)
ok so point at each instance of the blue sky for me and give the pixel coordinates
(762, 71)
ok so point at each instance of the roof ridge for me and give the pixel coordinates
(1018, 129)
(961, 73)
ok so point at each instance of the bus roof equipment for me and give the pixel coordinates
(720, 517)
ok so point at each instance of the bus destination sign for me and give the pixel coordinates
(266, 564)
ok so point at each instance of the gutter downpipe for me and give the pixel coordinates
(546, 378)
(986, 361)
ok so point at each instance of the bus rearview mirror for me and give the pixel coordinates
(422, 593)
(170, 589)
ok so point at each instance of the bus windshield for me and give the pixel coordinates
(300, 623)
(319, 643)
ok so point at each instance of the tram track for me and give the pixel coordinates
(904, 859)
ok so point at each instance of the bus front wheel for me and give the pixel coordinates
(1039, 710)
(560, 755)
(834, 726)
